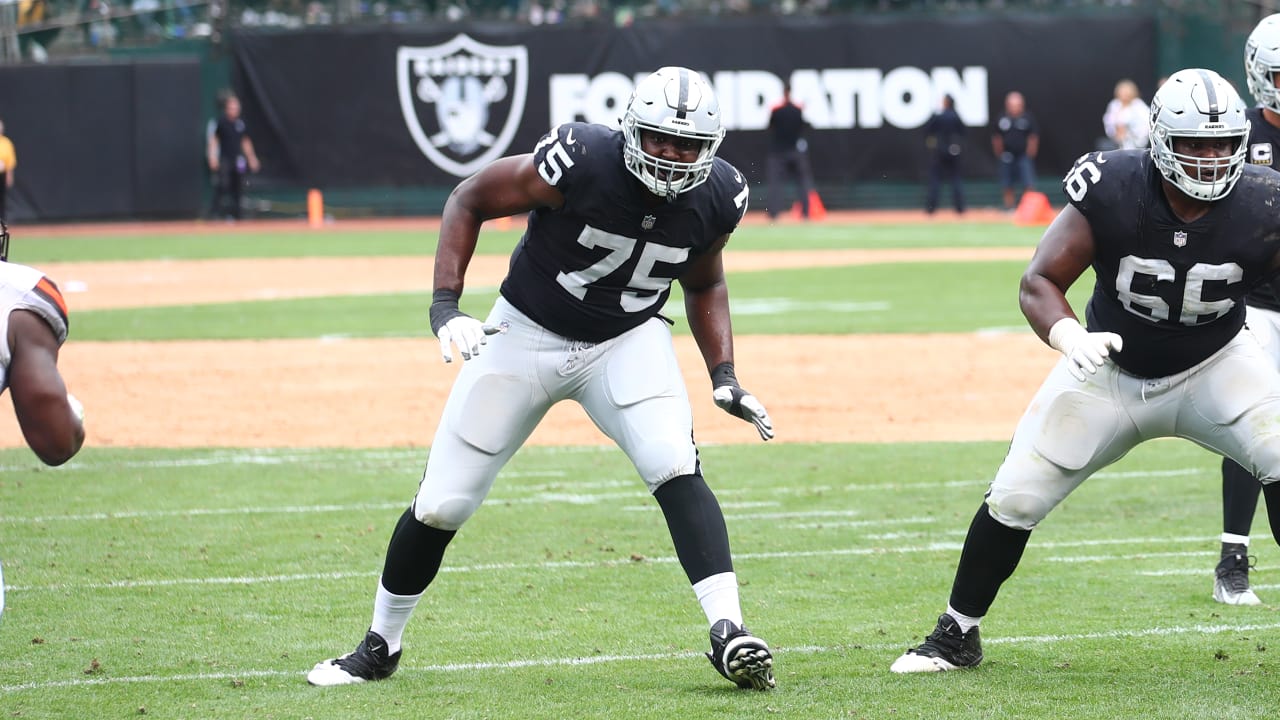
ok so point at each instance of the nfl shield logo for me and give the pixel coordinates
(1179, 238)
(462, 100)
(648, 221)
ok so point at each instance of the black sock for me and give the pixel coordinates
(413, 555)
(1240, 492)
(696, 525)
(1271, 492)
(990, 555)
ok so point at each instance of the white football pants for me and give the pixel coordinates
(1229, 404)
(630, 386)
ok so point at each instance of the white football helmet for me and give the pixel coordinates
(1198, 103)
(1262, 62)
(675, 101)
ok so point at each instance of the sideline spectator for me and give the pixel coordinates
(231, 156)
(944, 136)
(8, 163)
(1016, 142)
(788, 159)
(1127, 119)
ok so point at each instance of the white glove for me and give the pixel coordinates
(1085, 351)
(467, 333)
(742, 404)
(452, 325)
(731, 398)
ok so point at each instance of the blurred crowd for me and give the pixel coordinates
(108, 23)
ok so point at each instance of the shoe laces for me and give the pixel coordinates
(947, 635)
(363, 661)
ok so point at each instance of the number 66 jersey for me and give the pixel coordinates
(1173, 290)
(603, 262)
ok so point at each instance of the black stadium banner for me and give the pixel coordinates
(114, 139)
(402, 106)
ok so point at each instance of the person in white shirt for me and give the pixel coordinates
(1127, 119)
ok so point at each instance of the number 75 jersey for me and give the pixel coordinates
(1173, 290)
(603, 263)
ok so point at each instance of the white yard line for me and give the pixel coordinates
(580, 564)
(1172, 631)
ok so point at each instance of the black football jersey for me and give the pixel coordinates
(1264, 142)
(1171, 289)
(603, 262)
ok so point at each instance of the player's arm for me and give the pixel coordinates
(1063, 254)
(52, 428)
(706, 305)
(505, 187)
(211, 149)
(1065, 251)
(246, 147)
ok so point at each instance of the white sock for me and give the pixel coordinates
(1235, 539)
(964, 621)
(391, 614)
(718, 595)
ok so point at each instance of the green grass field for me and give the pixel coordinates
(204, 584)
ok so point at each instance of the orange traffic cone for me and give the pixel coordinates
(817, 211)
(315, 208)
(1033, 209)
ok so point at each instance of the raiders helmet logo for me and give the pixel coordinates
(1179, 238)
(462, 101)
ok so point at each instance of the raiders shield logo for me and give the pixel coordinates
(648, 222)
(1179, 238)
(462, 101)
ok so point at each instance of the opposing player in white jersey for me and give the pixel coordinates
(1240, 488)
(1176, 236)
(615, 217)
(33, 322)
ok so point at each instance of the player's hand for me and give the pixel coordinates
(1085, 351)
(455, 327)
(733, 399)
(467, 333)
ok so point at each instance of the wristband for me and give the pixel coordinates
(444, 307)
(722, 375)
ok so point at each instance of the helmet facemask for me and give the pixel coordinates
(1199, 104)
(677, 102)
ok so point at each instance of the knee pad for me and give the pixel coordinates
(443, 513)
(1019, 510)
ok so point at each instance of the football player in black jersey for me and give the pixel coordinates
(1240, 489)
(1176, 235)
(614, 217)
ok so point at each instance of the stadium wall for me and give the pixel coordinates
(116, 139)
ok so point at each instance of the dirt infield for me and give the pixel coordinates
(376, 393)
